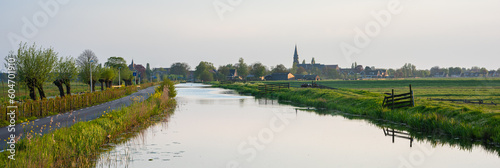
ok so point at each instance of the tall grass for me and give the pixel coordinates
(456, 120)
(78, 145)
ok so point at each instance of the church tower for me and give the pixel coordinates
(295, 56)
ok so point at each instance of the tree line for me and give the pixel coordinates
(37, 65)
(206, 71)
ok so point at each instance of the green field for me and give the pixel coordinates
(470, 122)
(487, 89)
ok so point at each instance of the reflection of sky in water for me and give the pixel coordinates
(211, 128)
(193, 91)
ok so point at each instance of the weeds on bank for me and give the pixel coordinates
(78, 145)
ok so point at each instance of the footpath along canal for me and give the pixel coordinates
(213, 127)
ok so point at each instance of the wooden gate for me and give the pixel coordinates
(399, 101)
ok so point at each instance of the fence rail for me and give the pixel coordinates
(42, 108)
(315, 85)
(399, 101)
(272, 87)
(472, 101)
(398, 134)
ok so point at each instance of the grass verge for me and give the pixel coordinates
(456, 120)
(79, 145)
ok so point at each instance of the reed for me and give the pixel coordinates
(79, 145)
(457, 120)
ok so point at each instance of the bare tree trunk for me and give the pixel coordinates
(32, 91)
(128, 82)
(102, 84)
(58, 83)
(68, 87)
(93, 85)
(109, 83)
(41, 92)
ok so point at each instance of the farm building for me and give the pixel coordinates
(307, 77)
(376, 73)
(280, 76)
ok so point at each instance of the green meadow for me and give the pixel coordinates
(486, 89)
(465, 121)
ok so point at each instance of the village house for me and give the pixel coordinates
(253, 78)
(376, 73)
(307, 77)
(233, 75)
(280, 76)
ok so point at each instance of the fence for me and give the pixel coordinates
(315, 85)
(398, 134)
(42, 108)
(272, 87)
(477, 101)
(399, 101)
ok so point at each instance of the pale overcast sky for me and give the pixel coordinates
(426, 33)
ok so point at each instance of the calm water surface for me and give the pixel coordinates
(213, 127)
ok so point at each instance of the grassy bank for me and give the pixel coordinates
(487, 89)
(457, 120)
(32, 110)
(79, 145)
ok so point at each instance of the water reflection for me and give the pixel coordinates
(120, 151)
(213, 127)
(435, 138)
(398, 134)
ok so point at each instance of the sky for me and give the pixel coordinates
(380, 33)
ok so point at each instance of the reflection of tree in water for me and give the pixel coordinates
(434, 137)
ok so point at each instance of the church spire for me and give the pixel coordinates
(295, 56)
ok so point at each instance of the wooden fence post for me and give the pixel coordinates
(412, 97)
(392, 99)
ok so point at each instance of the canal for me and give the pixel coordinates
(213, 127)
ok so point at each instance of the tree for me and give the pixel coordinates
(206, 76)
(435, 70)
(483, 71)
(34, 66)
(242, 68)
(116, 62)
(455, 71)
(223, 71)
(141, 72)
(399, 73)
(149, 72)
(180, 69)
(294, 68)
(331, 73)
(301, 71)
(258, 70)
(66, 71)
(313, 61)
(87, 62)
(304, 61)
(126, 75)
(391, 72)
(107, 76)
(280, 69)
(203, 69)
(119, 64)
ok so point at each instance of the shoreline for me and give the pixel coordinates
(80, 144)
(427, 116)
